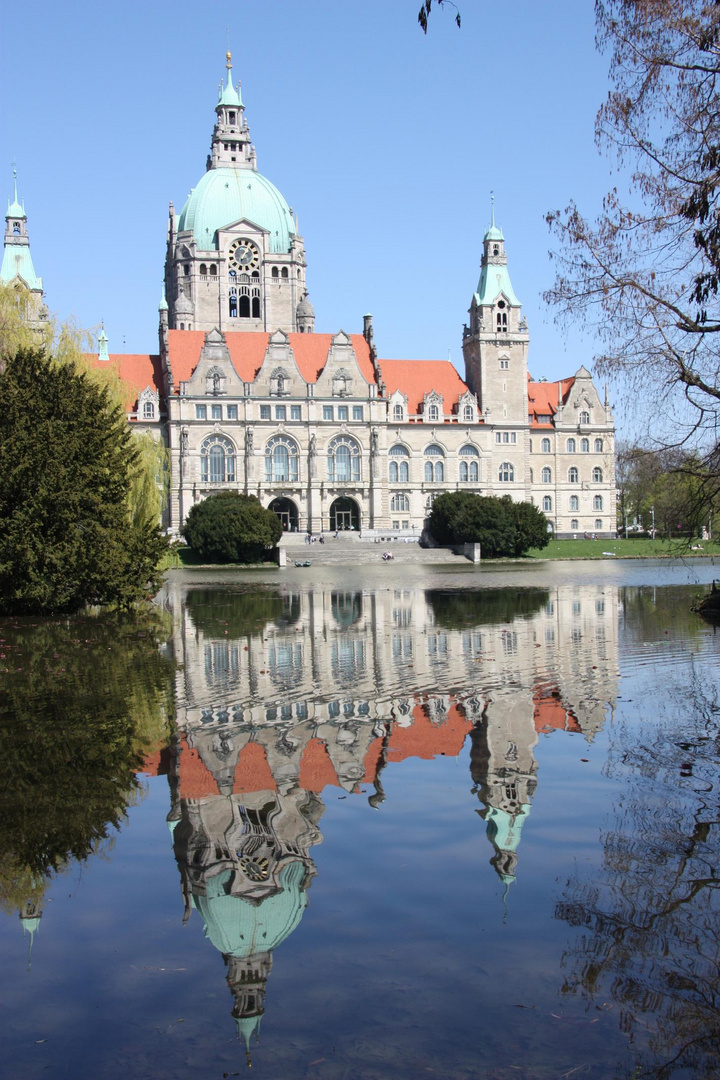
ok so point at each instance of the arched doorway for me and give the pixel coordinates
(344, 515)
(287, 511)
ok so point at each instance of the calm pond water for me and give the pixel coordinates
(396, 822)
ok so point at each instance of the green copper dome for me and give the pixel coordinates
(239, 928)
(225, 195)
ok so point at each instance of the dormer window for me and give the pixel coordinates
(433, 413)
(397, 412)
(468, 413)
(148, 411)
(584, 417)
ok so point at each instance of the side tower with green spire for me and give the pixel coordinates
(17, 269)
(234, 258)
(495, 343)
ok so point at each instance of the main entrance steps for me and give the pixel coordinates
(352, 549)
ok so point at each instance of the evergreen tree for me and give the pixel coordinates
(67, 464)
(231, 528)
(501, 527)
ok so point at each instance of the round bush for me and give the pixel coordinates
(231, 528)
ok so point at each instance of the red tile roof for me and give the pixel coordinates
(253, 772)
(544, 398)
(415, 378)
(138, 370)
(247, 352)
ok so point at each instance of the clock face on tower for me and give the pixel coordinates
(244, 255)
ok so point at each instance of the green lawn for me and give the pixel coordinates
(624, 549)
(181, 556)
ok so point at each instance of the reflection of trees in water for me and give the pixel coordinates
(463, 610)
(81, 701)
(651, 920)
(647, 612)
(239, 613)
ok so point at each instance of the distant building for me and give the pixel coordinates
(325, 432)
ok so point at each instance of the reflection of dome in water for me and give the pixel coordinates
(239, 928)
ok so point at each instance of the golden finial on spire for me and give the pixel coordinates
(228, 58)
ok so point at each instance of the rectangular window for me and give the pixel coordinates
(295, 412)
(216, 412)
(201, 412)
(264, 412)
(498, 436)
(406, 524)
(280, 412)
(396, 524)
(342, 412)
(327, 412)
(232, 412)
(357, 412)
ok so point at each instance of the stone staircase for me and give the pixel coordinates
(350, 549)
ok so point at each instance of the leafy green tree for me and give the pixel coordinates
(67, 463)
(500, 526)
(531, 527)
(230, 527)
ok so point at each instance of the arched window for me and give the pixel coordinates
(501, 318)
(546, 475)
(244, 306)
(506, 473)
(584, 417)
(217, 460)
(574, 503)
(598, 502)
(433, 413)
(570, 446)
(547, 503)
(343, 460)
(545, 446)
(468, 412)
(284, 272)
(203, 270)
(573, 475)
(434, 472)
(598, 446)
(281, 460)
(598, 523)
(597, 476)
(400, 504)
(256, 304)
(16, 228)
(397, 412)
(213, 271)
(400, 467)
(233, 307)
(574, 524)
(149, 410)
(585, 446)
(275, 272)
(469, 466)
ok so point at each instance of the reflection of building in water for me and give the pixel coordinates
(282, 694)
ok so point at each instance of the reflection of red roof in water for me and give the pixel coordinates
(196, 780)
(316, 769)
(157, 763)
(252, 772)
(422, 739)
(549, 713)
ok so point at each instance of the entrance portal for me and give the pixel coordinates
(287, 511)
(344, 515)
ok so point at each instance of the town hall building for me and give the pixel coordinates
(327, 433)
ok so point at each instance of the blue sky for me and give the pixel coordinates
(385, 142)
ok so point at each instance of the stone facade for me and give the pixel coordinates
(322, 429)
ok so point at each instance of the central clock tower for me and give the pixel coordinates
(234, 258)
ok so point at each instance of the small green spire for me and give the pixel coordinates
(228, 94)
(15, 210)
(163, 305)
(103, 344)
